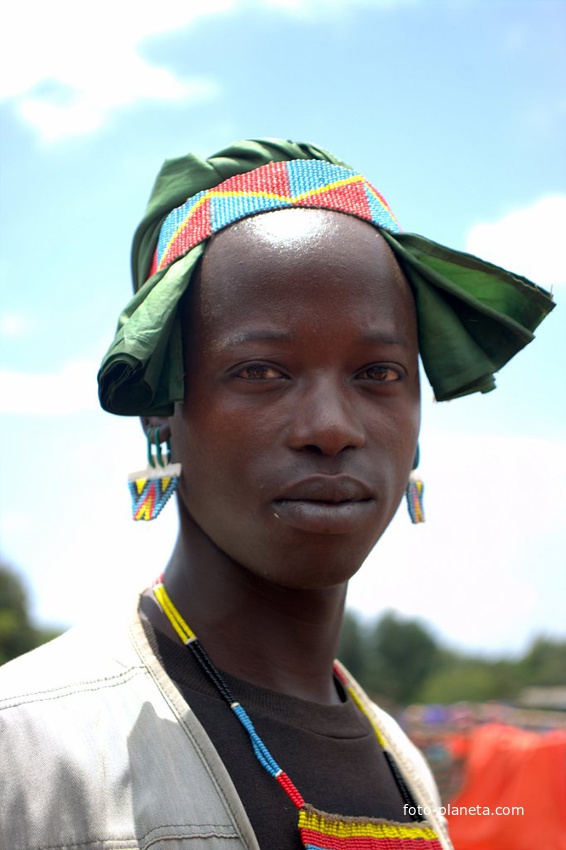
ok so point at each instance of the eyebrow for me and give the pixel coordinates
(375, 337)
(384, 337)
(257, 335)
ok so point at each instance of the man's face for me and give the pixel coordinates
(302, 406)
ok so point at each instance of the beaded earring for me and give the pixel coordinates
(151, 488)
(414, 493)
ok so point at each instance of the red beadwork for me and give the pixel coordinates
(322, 841)
(290, 789)
(270, 186)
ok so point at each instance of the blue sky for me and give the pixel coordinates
(456, 111)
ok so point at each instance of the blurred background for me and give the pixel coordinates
(456, 111)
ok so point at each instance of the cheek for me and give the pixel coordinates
(394, 422)
(395, 440)
(216, 451)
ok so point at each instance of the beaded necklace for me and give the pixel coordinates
(318, 830)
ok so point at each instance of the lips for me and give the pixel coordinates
(327, 488)
(329, 504)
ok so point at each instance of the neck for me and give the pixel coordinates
(275, 637)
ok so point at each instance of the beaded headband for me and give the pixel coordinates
(473, 317)
(309, 183)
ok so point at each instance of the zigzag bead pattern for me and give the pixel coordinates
(278, 185)
(150, 495)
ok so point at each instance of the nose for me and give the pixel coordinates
(326, 420)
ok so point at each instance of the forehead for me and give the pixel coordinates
(279, 267)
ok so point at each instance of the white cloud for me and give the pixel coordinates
(14, 325)
(70, 390)
(67, 66)
(77, 63)
(528, 241)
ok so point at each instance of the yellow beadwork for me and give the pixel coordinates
(181, 627)
(309, 819)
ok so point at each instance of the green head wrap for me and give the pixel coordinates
(472, 316)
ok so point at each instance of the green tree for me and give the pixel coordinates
(545, 663)
(402, 654)
(458, 677)
(17, 634)
(399, 660)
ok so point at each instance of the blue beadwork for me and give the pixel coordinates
(262, 753)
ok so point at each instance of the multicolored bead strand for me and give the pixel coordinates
(318, 830)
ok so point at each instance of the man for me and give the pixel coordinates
(219, 718)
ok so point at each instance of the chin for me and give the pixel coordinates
(301, 572)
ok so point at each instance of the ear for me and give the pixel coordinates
(161, 422)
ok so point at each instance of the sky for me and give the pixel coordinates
(454, 109)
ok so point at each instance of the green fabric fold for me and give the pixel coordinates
(473, 317)
(142, 372)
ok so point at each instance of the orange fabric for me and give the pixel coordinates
(459, 746)
(510, 767)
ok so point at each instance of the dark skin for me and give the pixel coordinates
(296, 438)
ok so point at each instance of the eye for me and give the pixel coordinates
(259, 372)
(382, 373)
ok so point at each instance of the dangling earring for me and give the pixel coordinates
(152, 488)
(414, 493)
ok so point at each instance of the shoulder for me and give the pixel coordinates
(96, 745)
(77, 660)
(413, 761)
(53, 698)
(61, 707)
(409, 760)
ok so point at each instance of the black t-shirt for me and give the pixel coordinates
(329, 751)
